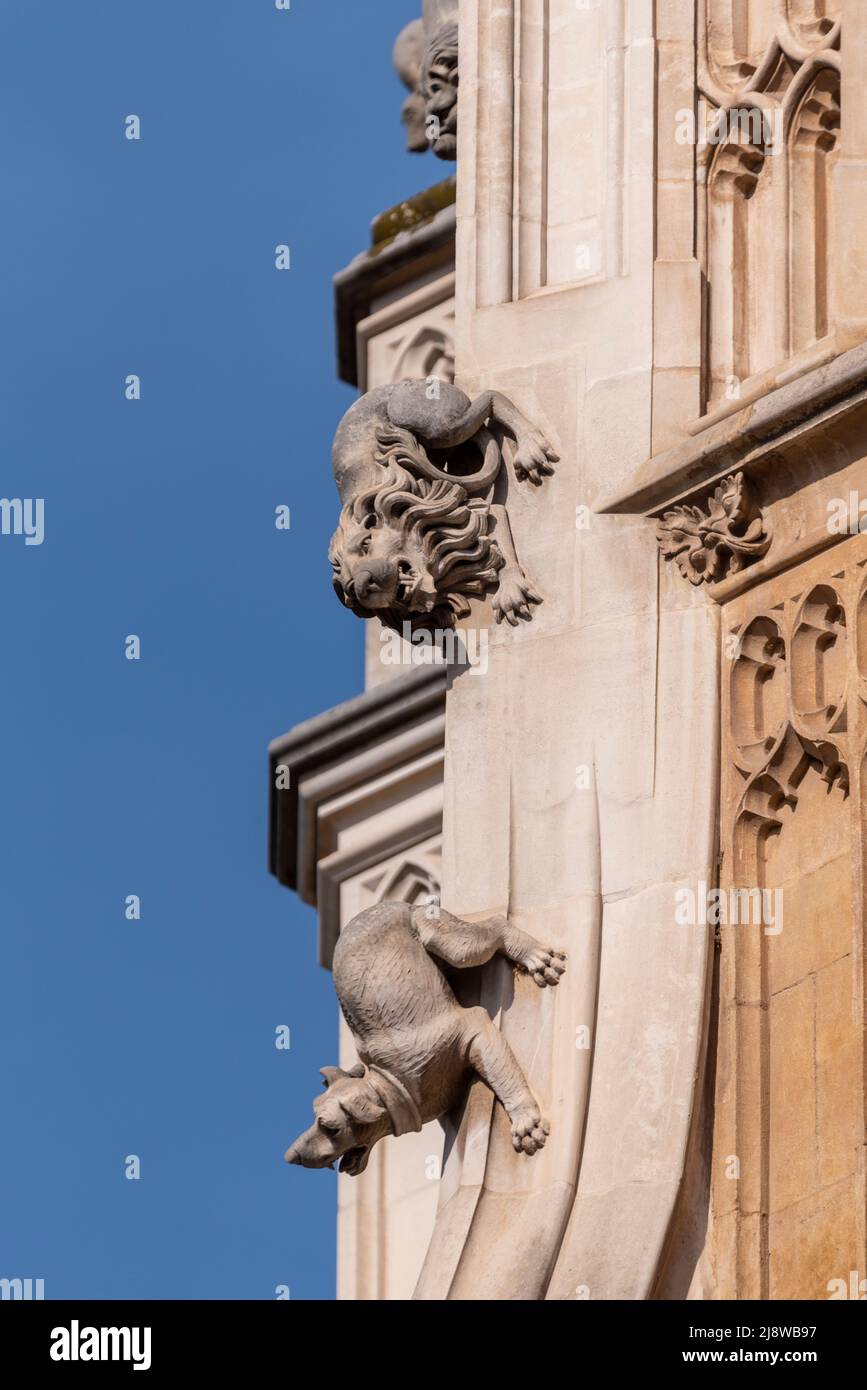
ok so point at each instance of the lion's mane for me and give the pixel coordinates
(449, 528)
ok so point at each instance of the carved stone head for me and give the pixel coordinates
(426, 60)
(350, 1119)
(408, 548)
(440, 90)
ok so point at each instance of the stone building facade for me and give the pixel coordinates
(655, 250)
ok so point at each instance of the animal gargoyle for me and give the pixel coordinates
(418, 1046)
(424, 522)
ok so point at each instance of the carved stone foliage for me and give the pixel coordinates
(721, 539)
(422, 476)
(769, 84)
(426, 59)
(415, 1042)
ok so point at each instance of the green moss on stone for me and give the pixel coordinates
(412, 213)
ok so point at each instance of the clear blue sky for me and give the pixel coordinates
(156, 257)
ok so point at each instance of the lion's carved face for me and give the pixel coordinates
(411, 549)
(379, 568)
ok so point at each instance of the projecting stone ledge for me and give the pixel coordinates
(721, 496)
(749, 437)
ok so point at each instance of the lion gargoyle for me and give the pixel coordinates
(424, 525)
(418, 1046)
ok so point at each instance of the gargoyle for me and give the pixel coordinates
(424, 520)
(417, 1044)
(426, 59)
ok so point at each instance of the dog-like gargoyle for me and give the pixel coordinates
(422, 478)
(418, 1046)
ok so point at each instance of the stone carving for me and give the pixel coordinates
(440, 90)
(788, 701)
(429, 352)
(426, 59)
(709, 545)
(791, 832)
(418, 1046)
(816, 126)
(424, 521)
(737, 167)
(769, 78)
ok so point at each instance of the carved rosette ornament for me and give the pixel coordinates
(709, 545)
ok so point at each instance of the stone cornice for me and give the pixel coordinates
(376, 720)
(747, 439)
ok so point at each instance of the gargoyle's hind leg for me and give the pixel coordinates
(454, 419)
(458, 943)
(490, 1055)
(467, 944)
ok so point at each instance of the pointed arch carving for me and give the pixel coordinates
(794, 740)
(768, 188)
(814, 126)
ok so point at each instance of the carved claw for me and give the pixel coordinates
(529, 1130)
(543, 963)
(550, 972)
(513, 597)
(534, 458)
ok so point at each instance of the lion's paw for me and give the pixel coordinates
(513, 597)
(544, 964)
(534, 458)
(529, 1130)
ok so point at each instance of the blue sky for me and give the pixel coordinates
(156, 257)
